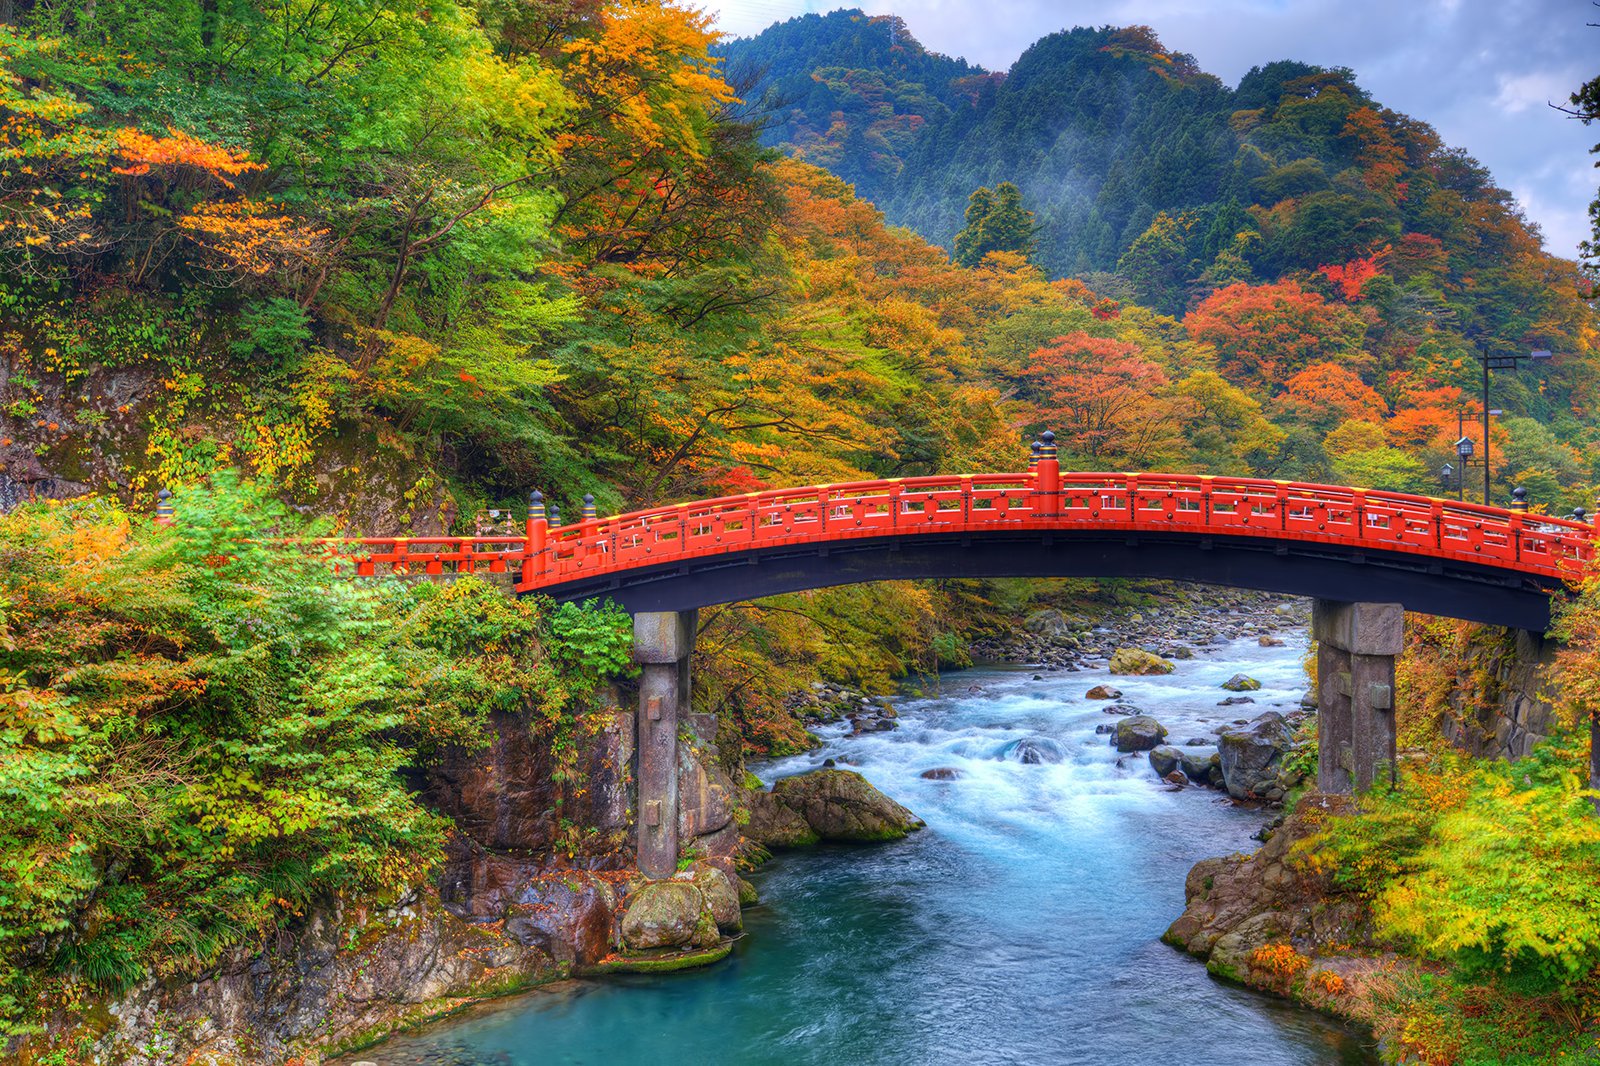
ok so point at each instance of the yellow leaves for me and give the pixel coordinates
(251, 237)
(649, 73)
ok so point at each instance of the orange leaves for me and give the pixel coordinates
(1102, 397)
(179, 149)
(1267, 333)
(252, 237)
(1280, 960)
(1325, 393)
(1353, 275)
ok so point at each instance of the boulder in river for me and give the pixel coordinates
(1267, 640)
(1241, 683)
(774, 824)
(1197, 766)
(1139, 733)
(842, 805)
(1164, 758)
(1251, 754)
(668, 914)
(1234, 701)
(1120, 708)
(1048, 623)
(941, 773)
(1138, 662)
(1103, 692)
(1034, 751)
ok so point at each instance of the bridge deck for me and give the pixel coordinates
(1552, 550)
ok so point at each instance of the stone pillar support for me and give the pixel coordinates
(1356, 646)
(662, 644)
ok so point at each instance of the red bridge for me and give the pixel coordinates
(1362, 556)
(1485, 564)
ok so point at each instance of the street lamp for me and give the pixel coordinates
(1499, 362)
(1447, 478)
(1464, 452)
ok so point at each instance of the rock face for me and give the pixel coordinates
(1139, 733)
(350, 975)
(1239, 904)
(1250, 755)
(1103, 692)
(1241, 683)
(1139, 662)
(841, 805)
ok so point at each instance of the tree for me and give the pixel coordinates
(1326, 394)
(996, 222)
(1103, 400)
(1264, 334)
(1225, 427)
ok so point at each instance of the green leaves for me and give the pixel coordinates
(202, 727)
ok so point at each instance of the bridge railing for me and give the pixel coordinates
(1045, 499)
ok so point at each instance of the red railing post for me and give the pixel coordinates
(533, 544)
(1047, 478)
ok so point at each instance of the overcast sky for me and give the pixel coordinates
(1481, 72)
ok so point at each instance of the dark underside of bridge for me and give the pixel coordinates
(1327, 571)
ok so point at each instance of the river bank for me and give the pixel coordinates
(1013, 928)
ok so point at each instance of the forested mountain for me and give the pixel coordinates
(1329, 253)
(852, 93)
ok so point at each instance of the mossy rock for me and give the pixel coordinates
(661, 962)
(1138, 662)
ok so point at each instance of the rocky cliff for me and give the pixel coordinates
(530, 892)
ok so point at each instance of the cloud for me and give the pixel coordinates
(1480, 71)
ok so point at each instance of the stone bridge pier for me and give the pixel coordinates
(1356, 646)
(663, 641)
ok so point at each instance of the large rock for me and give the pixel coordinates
(1165, 758)
(721, 894)
(1103, 692)
(668, 914)
(1250, 754)
(1240, 904)
(775, 824)
(1241, 683)
(1035, 751)
(841, 805)
(1139, 733)
(1138, 661)
(1197, 766)
(1048, 623)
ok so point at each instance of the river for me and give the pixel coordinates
(1021, 926)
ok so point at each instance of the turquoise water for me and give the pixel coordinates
(1021, 926)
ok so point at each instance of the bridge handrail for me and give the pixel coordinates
(1541, 545)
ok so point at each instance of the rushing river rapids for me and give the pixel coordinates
(1020, 927)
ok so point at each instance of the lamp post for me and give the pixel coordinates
(1464, 452)
(1447, 479)
(1499, 362)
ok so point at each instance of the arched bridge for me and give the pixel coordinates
(1363, 556)
(1483, 564)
